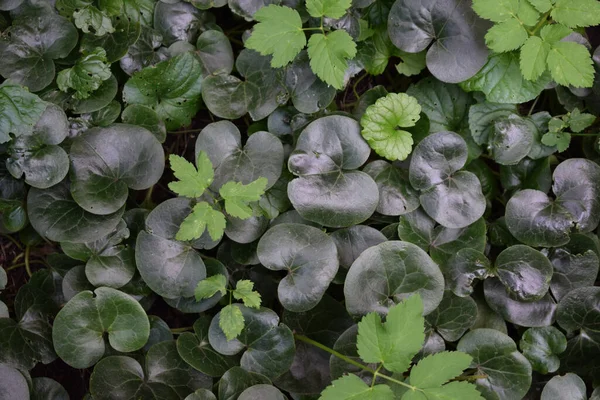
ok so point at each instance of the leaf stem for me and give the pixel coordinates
(533, 106)
(339, 355)
(27, 265)
(375, 375)
(181, 330)
(470, 377)
(14, 241)
(540, 24)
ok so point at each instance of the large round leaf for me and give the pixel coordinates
(13, 384)
(388, 273)
(531, 313)
(38, 156)
(195, 349)
(542, 346)
(463, 268)
(572, 269)
(308, 93)
(55, 215)
(236, 380)
(269, 346)
(446, 242)
(308, 255)
(396, 196)
(453, 317)
(107, 161)
(459, 50)
(262, 392)
(261, 156)
(570, 386)
(351, 242)
(495, 355)
(215, 53)
(512, 139)
(48, 389)
(178, 21)
(163, 376)
(525, 272)
(79, 328)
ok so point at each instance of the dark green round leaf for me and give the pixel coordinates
(351, 242)
(106, 162)
(145, 52)
(195, 349)
(159, 332)
(262, 392)
(396, 196)
(201, 394)
(417, 228)
(246, 230)
(145, 117)
(482, 117)
(458, 50)
(378, 278)
(308, 93)
(532, 313)
(97, 100)
(178, 21)
(269, 346)
(164, 376)
(453, 317)
(512, 139)
(463, 268)
(215, 53)
(525, 272)
(486, 317)
(579, 310)
(572, 270)
(55, 215)
(80, 326)
(261, 156)
(527, 174)
(308, 255)
(346, 345)
(13, 384)
(508, 373)
(535, 220)
(48, 389)
(446, 242)
(542, 346)
(236, 380)
(126, 33)
(570, 386)
(30, 45)
(577, 189)
(74, 282)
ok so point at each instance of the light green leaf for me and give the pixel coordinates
(203, 216)
(244, 290)
(496, 11)
(576, 13)
(453, 391)
(351, 387)
(210, 286)
(86, 75)
(533, 58)
(329, 54)
(553, 33)
(328, 8)
(395, 342)
(19, 110)
(541, 5)
(505, 36)
(412, 63)
(578, 121)
(570, 64)
(381, 122)
(439, 368)
(559, 139)
(231, 321)
(279, 33)
(192, 182)
(237, 196)
(90, 19)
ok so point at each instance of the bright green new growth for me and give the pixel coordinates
(393, 344)
(86, 75)
(20, 110)
(231, 320)
(279, 33)
(193, 183)
(576, 121)
(381, 123)
(91, 20)
(526, 26)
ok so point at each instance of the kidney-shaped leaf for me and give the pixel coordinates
(495, 355)
(80, 326)
(308, 255)
(107, 161)
(388, 273)
(459, 50)
(542, 346)
(525, 272)
(269, 345)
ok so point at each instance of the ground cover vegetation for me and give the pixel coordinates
(299, 199)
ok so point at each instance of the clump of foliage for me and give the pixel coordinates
(368, 199)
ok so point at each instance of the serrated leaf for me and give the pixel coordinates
(351, 387)
(329, 54)
(86, 75)
(231, 321)
(541, 5)
(412, 63)
(381, 122)
(193, 181)
(553, 33)
(19, 110)
(278, 33)
(328, 8)
(210, 286)
(533, 58)
(576, 13)
(439, 368)
(578, 121)
(395, 342)
(496, 11)
(505, 36)
(570, 64)
(244, 290)
(202, 217)
(559, 139)
(91, 20)
(237, 196)
(453, 391)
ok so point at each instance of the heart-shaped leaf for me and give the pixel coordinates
(463, 268)
(542, 346)
(396, 196)
(308, 255)
(106, 162)
(572, 269)
(236, 380)
(525, 272)
(378, 278)
(79, 328)
(453, 317)
(351, 242)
